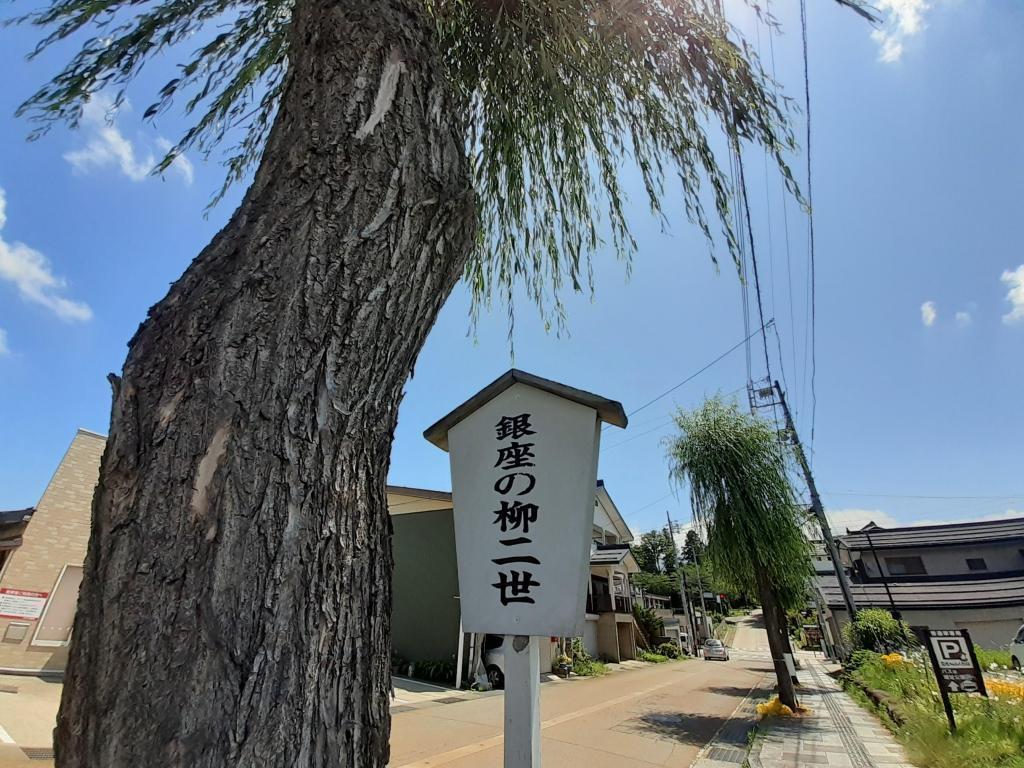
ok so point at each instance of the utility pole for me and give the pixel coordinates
(819, 511)
(687, 608)
(700, 588)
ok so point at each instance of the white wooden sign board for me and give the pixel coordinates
(524, 473)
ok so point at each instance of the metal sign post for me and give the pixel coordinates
(956, 666)
(523, 456)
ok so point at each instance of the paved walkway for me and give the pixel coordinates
(836, 732)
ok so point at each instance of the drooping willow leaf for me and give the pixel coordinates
(560, 98)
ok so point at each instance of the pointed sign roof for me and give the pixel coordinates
(607, 410)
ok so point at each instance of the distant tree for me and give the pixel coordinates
(693, 549)
(657, 583)
(656, 552)
(740, 492)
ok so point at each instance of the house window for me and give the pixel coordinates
(905, 566)
(55, 624)
(976, 564)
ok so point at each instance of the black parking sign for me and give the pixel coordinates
(956, 666)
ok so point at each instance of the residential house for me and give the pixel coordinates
(41, 569)
(426, 623)
(960, 575)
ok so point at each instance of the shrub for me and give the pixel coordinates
(442, 671)
(582, 662)
(653, 658)
(877, 630)
(650, 625)
(859, 658)
(669, 650)
(987, 657)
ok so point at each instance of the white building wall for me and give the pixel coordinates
(590, 636)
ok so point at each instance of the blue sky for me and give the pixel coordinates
(920, 296)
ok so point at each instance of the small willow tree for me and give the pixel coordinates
(736, 469)
(235, 608)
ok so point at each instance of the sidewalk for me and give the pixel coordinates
(836, 732)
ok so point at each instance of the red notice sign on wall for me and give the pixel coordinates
(21, 604)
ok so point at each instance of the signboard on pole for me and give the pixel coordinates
(523, 456)
(956, 667)
(21, 604)
(524, 473)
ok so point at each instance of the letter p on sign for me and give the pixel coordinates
(951, 649)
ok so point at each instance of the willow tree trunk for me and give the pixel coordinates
(787, 644)
(770, 606)
(236, 603)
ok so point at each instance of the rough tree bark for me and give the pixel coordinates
(236, 603)
(783, 621)
(769, 603)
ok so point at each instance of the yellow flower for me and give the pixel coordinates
(1007, 689)
(892, 660)
(774, 708)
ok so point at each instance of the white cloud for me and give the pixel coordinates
(929, 313)
(1015, 295)
(30, 272)
(903, 19)
(107, 146)
(842, 520)
(4, 349)
(963, 318)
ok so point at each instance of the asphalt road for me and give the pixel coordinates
(655, 715)
(658, 715)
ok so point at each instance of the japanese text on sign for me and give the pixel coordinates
(514, 517)
(955, 664)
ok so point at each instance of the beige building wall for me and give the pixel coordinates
(50, 560)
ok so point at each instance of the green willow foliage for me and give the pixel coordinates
(740, 492)
(557, 95)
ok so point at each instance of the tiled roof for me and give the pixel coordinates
(953, 534)
(973, 593)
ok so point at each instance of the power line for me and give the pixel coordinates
(810, 218)
(785, 224)
(753, 252)
(668, 423)
(1014, 497)
(635, 512)
(694, 375)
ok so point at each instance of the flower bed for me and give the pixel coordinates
(990, 731)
